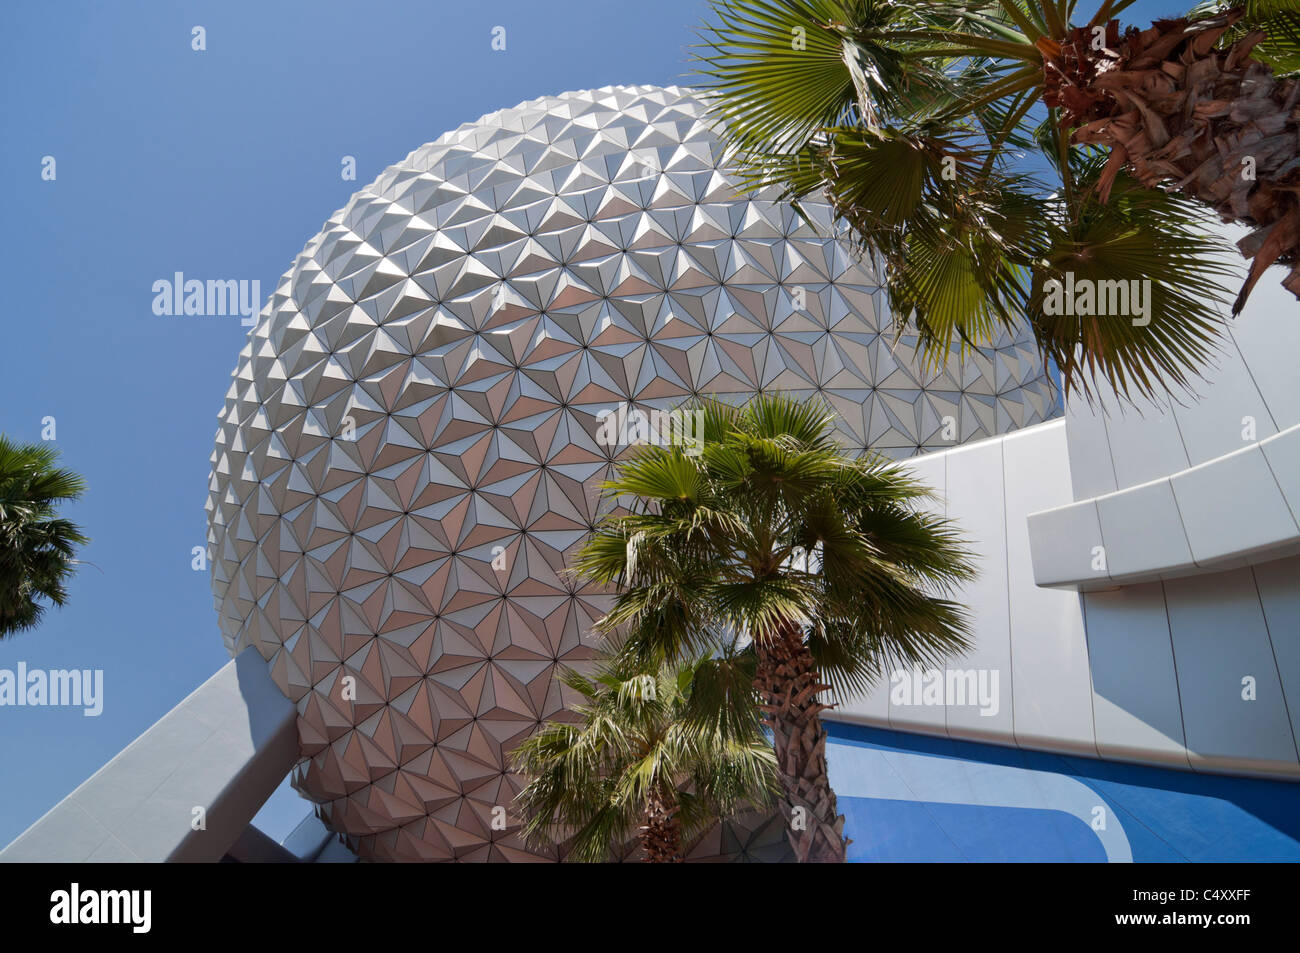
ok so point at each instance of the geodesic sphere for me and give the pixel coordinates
(409, 450)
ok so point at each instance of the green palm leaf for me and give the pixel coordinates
(918, 123)
(589, 782)
(37, 548)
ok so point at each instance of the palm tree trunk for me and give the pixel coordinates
(661, 834)
(788, 684)
(1215, 125)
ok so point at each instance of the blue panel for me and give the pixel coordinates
(895, 830)
(884, 830)
(919, 798)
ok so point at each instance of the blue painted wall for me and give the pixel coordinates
(911, 797)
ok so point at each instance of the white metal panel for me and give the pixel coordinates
(1143, 531)
(1092, 472)
(1267, 335)
(1283, 455)
(1066, 545)
(1144, 442)
(1051, 685)
(1232, 507)
(975, 502)
(930, 469)
(1228, 412)
(1221, 644)
(1135, 691)
(1278, 584)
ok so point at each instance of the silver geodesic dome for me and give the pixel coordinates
(408, 448)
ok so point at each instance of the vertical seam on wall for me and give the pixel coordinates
(1281, 686)
(1168, 412)
(1101, 534)
(1083, 600)
(1253, 383)
(1006, 569)
(1178, 688)
(947, 493)
(1110, 451)
(1092, 686)
(1182, 523)
(1278, 483)
(1182, 441)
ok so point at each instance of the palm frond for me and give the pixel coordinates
(37, 547)
(926, 169)
(590, 782)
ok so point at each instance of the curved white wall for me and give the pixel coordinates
(1208, 482)
(1182, 646)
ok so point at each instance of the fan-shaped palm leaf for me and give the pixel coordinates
(37, 548)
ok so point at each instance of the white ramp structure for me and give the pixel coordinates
(184, 791)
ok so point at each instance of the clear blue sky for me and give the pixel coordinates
(218, 164)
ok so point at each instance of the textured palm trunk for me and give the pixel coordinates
(1215, 125)
(788, 684)
(661, 834)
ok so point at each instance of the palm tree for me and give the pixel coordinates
(37, 548)
(639, 760)
(987, 152)
(794, 567)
